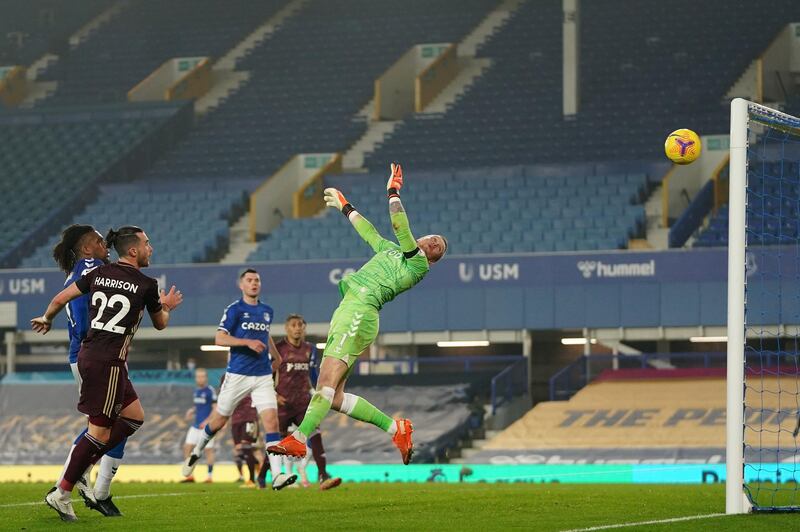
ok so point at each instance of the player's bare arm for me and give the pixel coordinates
(169, 301)
(43, 323)
(276, 355)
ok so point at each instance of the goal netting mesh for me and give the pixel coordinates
(771, 310)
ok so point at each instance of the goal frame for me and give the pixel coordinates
(736, 499)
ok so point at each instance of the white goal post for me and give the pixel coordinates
(763, 386)
(735, 498)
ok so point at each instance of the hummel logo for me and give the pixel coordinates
(587, 267)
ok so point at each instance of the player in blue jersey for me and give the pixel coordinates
(81, 250)
(204, 398)
(245, 329)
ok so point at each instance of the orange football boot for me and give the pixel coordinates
(402, 439)
(289, 446)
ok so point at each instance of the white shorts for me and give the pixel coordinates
(193, 436)
(236, 387)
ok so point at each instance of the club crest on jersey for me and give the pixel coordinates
(266, 317)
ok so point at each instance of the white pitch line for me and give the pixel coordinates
(642, 523)
(142, 496)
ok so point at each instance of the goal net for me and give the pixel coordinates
(763, 462)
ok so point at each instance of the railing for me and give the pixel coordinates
(708, 199)
(569, 380)
(414, 365)
(510, 382)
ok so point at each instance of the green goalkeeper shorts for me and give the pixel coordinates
(354, 326)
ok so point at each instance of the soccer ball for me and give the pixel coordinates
(683, 146)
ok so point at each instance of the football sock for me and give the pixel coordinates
(123, 428)
(105, 474)
(205, 437)
(69, 455)
(315, 442)
(262, 473)
(359, 408)
(250, 459)
(109, 464)
(302, 464)
(87, 451)
(317, 410)
(239, 461)
(210, 470)
(274, 459)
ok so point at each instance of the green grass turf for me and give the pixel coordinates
(392, 506)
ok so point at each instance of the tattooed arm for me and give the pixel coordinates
(408, 244)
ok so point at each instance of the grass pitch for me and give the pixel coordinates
(392, 506)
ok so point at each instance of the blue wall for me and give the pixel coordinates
(630, 289)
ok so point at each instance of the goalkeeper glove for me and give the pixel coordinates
(395, 182)
(334, 198)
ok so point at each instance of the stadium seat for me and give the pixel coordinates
(181, 230)
(558, 224)
(57, 151)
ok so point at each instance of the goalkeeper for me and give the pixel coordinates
(354, 325)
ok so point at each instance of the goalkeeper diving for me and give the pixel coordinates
(354, 326)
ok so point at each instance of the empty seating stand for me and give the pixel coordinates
(185, 223)
(491, 210)
(629, 102)
(51, 159)
(145, 34)
(31, 28)
(309, 81)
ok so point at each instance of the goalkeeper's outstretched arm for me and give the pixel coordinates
(408, 244)
(334, 198)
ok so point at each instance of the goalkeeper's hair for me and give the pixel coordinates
(65, 253)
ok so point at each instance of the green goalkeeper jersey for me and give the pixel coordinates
(394, 268)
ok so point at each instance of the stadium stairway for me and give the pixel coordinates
(126, 49)
(513, 113)
(33, 29)
(470, 68)
(226, 80)
(296, 99)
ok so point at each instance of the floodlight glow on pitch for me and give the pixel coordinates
(707, 339)
(463, 343)
(576, 341)
(214, 348)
